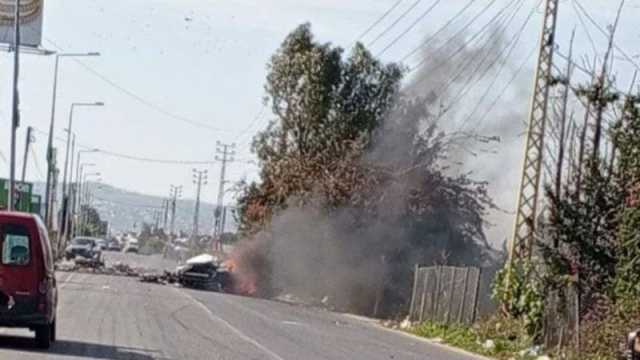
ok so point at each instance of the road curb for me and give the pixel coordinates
(376, 323)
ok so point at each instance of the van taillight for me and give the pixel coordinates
(42, 288)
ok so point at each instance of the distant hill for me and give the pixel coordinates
(126, 210)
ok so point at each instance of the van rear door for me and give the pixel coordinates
(20, 268)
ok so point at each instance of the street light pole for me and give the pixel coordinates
(48, 209)
(64, 221)
(15, 118)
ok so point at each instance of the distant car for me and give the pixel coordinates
(102, 244)
(85, 247)
(131, 248)
(114, 246)
(28, 292)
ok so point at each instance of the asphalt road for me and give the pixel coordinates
(108, 317)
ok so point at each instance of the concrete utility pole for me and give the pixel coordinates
(165, 215)
(175, 193)
(15, 115)
(199, 178)
(27, 144)
(524, 228)
(224, 155)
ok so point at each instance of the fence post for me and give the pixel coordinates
(413, 292)
(436, 303)
(424, 293)
(451, 290)
(476, 295)
(464, 294)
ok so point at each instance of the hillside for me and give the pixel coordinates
(127, 210)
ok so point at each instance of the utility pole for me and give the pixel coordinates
(27, 144)
(15, 116)
(175, 193)
(524, 228)
(199, 178)
(224, 155)
(165, 215)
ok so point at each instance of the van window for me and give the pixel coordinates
(16, 248)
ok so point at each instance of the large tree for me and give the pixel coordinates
(354, 189)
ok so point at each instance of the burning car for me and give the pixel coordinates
(203, 272)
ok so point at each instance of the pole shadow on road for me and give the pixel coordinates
(74, 348)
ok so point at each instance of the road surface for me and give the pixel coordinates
(109, 317)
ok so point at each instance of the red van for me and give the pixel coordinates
(28, 294)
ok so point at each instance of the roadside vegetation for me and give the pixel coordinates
(496, 337)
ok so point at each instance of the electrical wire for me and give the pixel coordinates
(504, 90)
(491, 36)
(409, 28)
(442, 28)
(511, 46)
(605, 33)
(379, 20)
(584, 26)
(388, 28)
(463, 46)
(139, 98)
(36, 164)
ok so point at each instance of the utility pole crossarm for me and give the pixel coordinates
(526, 211)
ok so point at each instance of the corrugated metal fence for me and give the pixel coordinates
(445, 294)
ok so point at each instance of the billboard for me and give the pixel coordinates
(23, 198)
(30, 22)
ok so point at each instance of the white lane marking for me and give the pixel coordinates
(286, 322)
(242, 335)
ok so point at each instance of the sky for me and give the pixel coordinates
(167, 64)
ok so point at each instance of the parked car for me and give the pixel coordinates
(114, 245)
(28, 292)
(85, 247)
(102, 244)
(132, 247)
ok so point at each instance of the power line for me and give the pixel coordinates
(141, 158)
(409, 28)
(606, 34)
(36, 164)
(139, 98)
(388, 28)
(511, 46)
(491, 37)
(375, 23)
(464, 45)
(447, 24)
(504, 90)
(253, 122)
(586, 29)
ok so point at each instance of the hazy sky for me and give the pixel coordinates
(204, 60)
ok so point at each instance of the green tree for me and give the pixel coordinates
(325, 106)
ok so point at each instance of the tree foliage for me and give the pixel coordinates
(366, 162)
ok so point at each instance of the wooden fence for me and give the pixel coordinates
(445, 294)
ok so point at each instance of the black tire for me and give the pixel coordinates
(53, 331)
(43, 336)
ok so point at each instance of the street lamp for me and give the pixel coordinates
(51, 127)
(64, 209)
(66, 160)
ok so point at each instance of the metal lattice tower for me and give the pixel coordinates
(524, 228)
